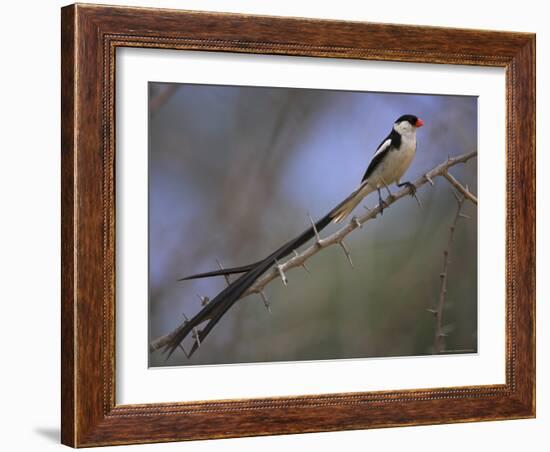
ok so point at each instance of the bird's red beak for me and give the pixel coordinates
(419, 123)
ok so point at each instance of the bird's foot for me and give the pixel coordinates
(412, 190)
(410, 186)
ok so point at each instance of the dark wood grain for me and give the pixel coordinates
(90, 36)
(67, 226)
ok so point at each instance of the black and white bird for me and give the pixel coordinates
(389, 163)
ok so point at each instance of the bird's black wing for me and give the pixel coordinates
(393, 140)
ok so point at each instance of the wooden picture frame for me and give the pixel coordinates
(90, 36)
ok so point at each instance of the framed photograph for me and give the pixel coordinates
(281, 225)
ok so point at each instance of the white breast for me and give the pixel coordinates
(395, 163)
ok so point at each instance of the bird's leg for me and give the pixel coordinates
(381, 202)
(387, 188)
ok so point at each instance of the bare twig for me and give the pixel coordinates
(464, 190)
(440, 333)
(336, 238)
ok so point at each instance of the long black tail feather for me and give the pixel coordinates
(246, 268)
(220, 304)
(221, 272)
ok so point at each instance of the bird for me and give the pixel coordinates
(388, 165)
(392, 158)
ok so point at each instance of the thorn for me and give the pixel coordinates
(314, 229)
(417, 200)
(429, 179)
(432, 311)
(196, 336)
(281, 272)
(185, 317)
(346, 251)
(463, 215)
(266, 301)
(356, 222)
(226, 277)
(367, 208)
(204, 300)
(303, 264)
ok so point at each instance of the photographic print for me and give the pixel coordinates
(292, 224)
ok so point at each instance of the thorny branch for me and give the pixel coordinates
(440, 330)
(356, 222)
(337, 237)
(464, 190)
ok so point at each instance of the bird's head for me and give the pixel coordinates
(407, 124)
